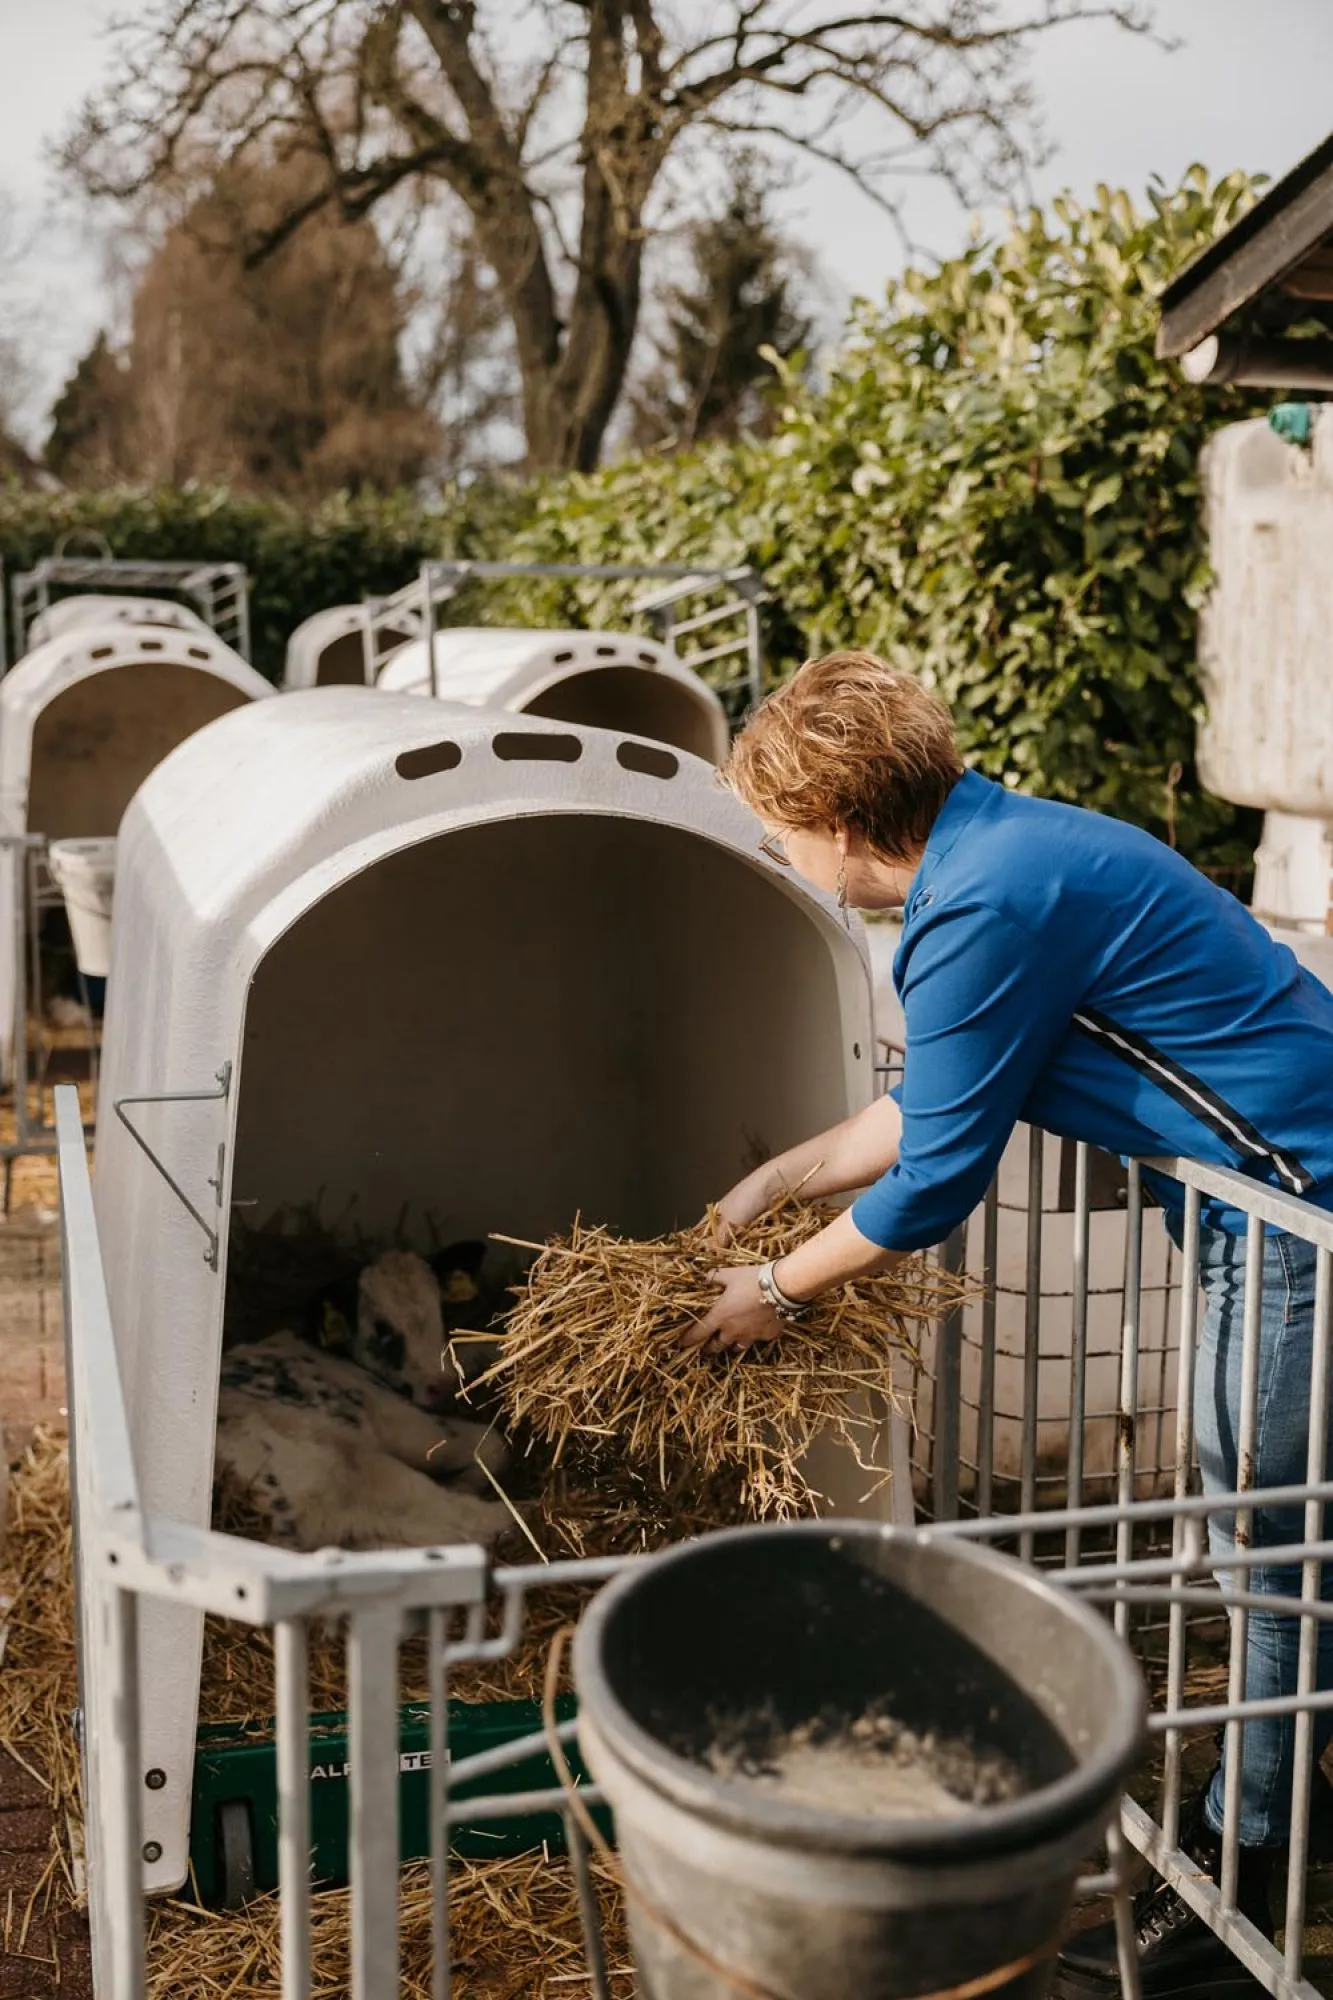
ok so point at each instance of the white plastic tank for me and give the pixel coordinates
(606, 680)
(106, 608)
(83, 720)
(329, 649)
(1266, 633)
(483, 968)
(1293, 871)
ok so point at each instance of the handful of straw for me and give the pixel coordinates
(590, 1358)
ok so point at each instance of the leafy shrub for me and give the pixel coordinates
(997, 487)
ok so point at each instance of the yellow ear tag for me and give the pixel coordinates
(334, 1333)
(459, 1289)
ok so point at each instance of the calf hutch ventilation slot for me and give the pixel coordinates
(481, 1002)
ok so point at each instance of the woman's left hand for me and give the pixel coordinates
(741, 1316)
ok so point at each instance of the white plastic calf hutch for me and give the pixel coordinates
(1266, 649)
(331, 648)
(423, 961)
(608, 680)
(83, 720)
(67, 614)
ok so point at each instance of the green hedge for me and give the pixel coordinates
(298, 563)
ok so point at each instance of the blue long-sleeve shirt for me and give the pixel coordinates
(1065, 969)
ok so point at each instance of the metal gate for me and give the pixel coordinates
(1145, 1559)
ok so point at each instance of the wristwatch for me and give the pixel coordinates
(789, 1311)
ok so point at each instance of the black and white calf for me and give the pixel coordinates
(355, 1450)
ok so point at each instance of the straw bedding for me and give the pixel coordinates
(591, 1361)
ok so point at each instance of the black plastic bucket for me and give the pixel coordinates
(736, 1889)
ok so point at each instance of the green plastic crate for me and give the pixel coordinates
(235, 1799)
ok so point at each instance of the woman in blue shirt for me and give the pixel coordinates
(1068, 970)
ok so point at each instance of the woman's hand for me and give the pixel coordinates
(741, 1316)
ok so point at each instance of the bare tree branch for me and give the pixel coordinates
(551, 122)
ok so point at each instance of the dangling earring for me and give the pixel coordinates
(842, 892)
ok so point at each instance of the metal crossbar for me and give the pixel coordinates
(1145, 1558)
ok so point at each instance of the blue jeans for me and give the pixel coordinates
(1285, 1353)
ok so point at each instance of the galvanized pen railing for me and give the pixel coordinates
(1145, 1556)
(1134, 1554)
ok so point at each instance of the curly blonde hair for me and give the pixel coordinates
(849, 742)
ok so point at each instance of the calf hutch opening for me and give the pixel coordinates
(600, 680)
(402, 962)
(83, 720)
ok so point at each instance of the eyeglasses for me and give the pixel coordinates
(772, 846)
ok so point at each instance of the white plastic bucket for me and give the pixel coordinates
(85, 872)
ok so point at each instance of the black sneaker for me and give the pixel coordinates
(1321, 1817)
(1179, 1957)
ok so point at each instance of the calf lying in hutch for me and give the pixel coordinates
(347, 1439)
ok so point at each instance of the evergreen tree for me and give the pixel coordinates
(710, 377)
(82, 444)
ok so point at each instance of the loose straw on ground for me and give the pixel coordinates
(591, 1357)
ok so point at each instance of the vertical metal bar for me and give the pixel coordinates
(437, 1634)
(372, 1686)
(755, 654)
(369, 641)
(1244, 1531)
(1031, 1339)
(243, 615)
(1078, 1339)
(1311, 1590)
(20, 618)
(292, 1691)
(990, 1262)
(1127, 1415)
(949, 1386)
(590, 1917)
(428, 625)
(35, 1003)
(121, 1844)
(1127, 1951)
(1176, 1630)
(19, 862)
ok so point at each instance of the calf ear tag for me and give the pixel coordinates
(334, 1333)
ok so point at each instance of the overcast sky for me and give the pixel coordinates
(1249, 88)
